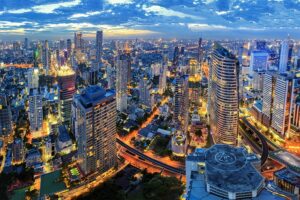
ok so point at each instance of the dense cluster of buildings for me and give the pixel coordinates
(66, 107)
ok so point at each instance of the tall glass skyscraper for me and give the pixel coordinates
(224, 97)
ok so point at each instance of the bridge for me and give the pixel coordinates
(167, 167)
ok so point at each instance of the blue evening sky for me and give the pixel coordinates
(150, 18)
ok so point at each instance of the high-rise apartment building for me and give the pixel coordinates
(35, 110)
(94, 124)
(121, 82)
(181, 101)
(224, 96)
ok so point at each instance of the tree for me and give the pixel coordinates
(163, 188)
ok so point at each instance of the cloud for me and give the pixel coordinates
(50, 8)
(158, 10)
(118, 2)
(19, 11)
(197, 27)
(87, 14)
(8, 24)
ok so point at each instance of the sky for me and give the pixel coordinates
(213, 19)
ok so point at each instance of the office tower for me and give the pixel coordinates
(99, 47)
(33, 78)
(224, 172)
(94, 120)
(181, 101)
(93, 75)
(62, 45)
(279, 96)
(176, 56)
(194, 69)
(268, 93)
(66, 83)
(144, 91)
(46, 57)
(69, 47)
(258, 61)
(78, 41)
(26, 44)
(224, 108)
(110, 77)
(18, 151)
(5, 116)
(285, 56)
(200, 51)
(121, 82)
(126, 57)
(195, 89)
(261, 45)
(258, 80)
(162, 79)
(35, 110)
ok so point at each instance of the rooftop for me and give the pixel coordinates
(289, 176)
(228, 168)
(65, 71)
(94, 94)
(289, 159)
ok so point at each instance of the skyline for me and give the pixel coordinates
(230, 19)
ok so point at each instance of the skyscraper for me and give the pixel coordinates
(18, 151)
(258, 61)
(162, 79)
(46, 57)
(285, 51)
(66, 82)
(94, 120)
(26, 44)
(5, 116)
(224, 96)
(69, 47)
(121, 82)
(78, 41)
(144, 91)
(99, 47)
(279, 95)
(181, 101)
(35, 110)
(33, 78)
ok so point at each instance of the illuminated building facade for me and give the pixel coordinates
(279, 98)
(181, 101)
(121, 82)
(5, 116)
(144, 91)
(35, 110)
(224, 172)
(66, 82)
(258, 61)
(224, 97)
(33, 78)
(94, 120)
